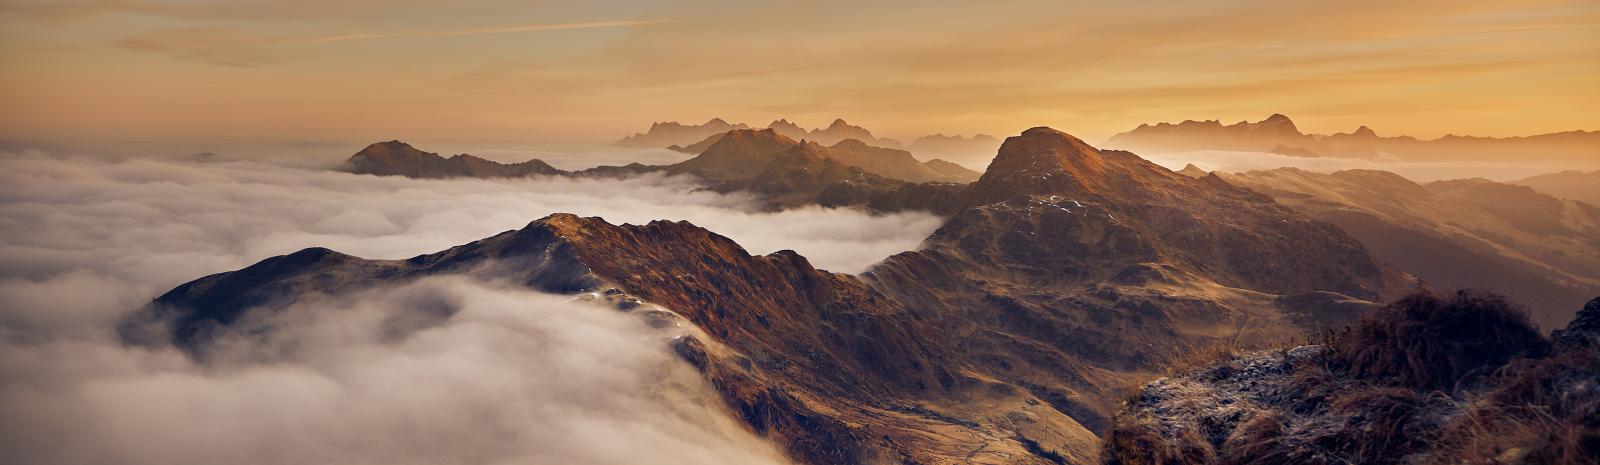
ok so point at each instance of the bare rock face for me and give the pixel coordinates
(395, 158)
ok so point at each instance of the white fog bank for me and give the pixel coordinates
(513, 377)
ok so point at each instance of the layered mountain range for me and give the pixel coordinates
(686, 137)
(1575, 185)
(956, 146)
(783, 171)
(1278, 134)
(1064, 273)
(1537, 249)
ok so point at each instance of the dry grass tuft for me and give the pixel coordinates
(1427, 342)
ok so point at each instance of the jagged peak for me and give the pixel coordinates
(838, 123)
(1192, 171)
(1365, 131)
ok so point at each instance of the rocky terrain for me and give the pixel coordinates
(1064, 274)
(1479, 234)
(1278, 134)
(1426, 380)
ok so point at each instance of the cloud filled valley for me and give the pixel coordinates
(510, 376)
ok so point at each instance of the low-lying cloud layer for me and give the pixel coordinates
(514, 376)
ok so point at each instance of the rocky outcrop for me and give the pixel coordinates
(1462, 379)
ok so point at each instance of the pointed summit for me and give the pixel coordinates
(1041, 161)
(1193, 171)
(1365, 132)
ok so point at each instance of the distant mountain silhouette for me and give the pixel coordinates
(694, 139)
(1575, 185)
(941, 145)
(395, 158)
(670, 133)
(1278, 134)
(783, 171)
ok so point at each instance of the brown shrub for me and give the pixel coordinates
(1535, 411)
(1427, 342)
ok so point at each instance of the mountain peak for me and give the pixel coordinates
(1364, 131)
(1041, 160)
(838, 123)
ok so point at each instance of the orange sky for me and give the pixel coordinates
(517, 70)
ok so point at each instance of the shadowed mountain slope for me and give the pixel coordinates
(1575, 185)
(1537, 249)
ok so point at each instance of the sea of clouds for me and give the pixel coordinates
(512, 377)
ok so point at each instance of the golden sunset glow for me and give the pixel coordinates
(366, 70)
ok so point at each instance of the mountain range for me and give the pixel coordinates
(680, 136)
(1063, 274)
(784, 171)
(1535, 248)
(1575, 185)
(1278, 134)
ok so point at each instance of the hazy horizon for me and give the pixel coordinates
(285, 70)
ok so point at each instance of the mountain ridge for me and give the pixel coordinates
(1278, 134)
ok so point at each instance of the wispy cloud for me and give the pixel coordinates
(498, 30)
